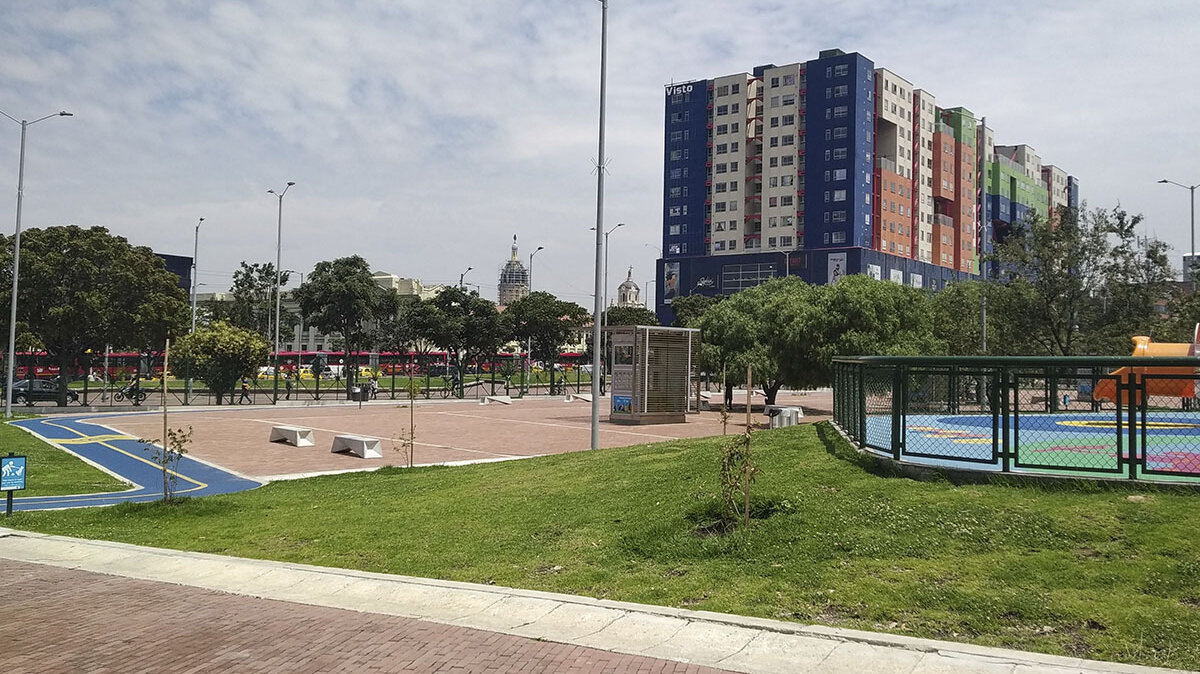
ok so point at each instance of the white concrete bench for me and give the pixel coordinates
(585, 397)
(292, 435)
(367, 448)
(506, 400)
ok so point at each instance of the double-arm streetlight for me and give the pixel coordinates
(463, 275)
(16, 265)
(1192, 250)
(278, 272)
(529, 340)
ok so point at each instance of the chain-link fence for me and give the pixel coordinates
(1087, 417)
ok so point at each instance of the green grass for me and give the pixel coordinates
(51, 471)
(1085, 570)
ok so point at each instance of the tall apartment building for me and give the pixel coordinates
(828, 167)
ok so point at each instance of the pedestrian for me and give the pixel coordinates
(245, 392)
(374, 388)
(288, 381)
(728, 397)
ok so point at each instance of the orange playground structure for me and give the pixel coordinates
(1106, 389)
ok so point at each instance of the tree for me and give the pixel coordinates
(690, 308)
(252, 303)
(83, 289)
(546, 322)
(220, 354)
(342, 297)
(630, 316)
(1081, 283)
(465, 324)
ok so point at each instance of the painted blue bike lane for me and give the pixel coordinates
(126, 457)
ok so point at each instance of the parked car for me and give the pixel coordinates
(26, 391)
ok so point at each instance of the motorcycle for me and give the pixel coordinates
(135, 394)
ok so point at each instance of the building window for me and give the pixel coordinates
(723, 90)
(733, 225)
(721, 168)
(673, 230)
(733, 147)
(722, 148)
(774, 122)
(675, 192)
(839, 195)
(674, 211)
(839, 153)
(676, 155)
(772, 202)
(839, 174)
(839, 132)
(733, 166)
(673, 249)
(774, 101)
(774, 141)
(771, 242)
(774, 82)
(733, 245)
(718, 245)
(719, 207)
(734, 108)
(784, 181)
(839, 216)
(772, 221)
(720, 187)
(787, 160)
(841, 70)
(785, 200)
(840, 111)
(733, 205)
(789, 140)
(839, 237)
(735, 88)
(722, 129)
(789, 99)
(841, 90)
(785, 241)
(788, 120)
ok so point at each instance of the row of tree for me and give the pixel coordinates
(1083, 284)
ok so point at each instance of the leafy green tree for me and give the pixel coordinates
(630, 316)
(689, 308)
(340, 296)
(1080, 284)
(546, 322)
(84, 288)
(737, 332)
(957, 313)
(252, 303)
(465, 324)
(220, 354)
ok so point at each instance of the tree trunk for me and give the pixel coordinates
(64, 364)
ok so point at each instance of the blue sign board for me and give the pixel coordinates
(12, 473)
(622, 404)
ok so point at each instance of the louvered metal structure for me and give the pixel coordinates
(651, 373)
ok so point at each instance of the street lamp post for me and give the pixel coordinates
(461, 276)
(597, 298)
(603, 361)
(529, 340)
(278, 289)
(1192, 251)
(187, 397)
(16, 265)
(787, 261)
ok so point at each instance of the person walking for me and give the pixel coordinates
(245, 392)
(288, 381)
(374, 388)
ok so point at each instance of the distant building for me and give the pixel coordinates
(834, 166)
(514, 279)
(628, 293)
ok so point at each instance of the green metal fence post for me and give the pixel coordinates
(1006, 449)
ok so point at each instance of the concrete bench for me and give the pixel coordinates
(367, 448)
(506, 400)
(292, 435)
(585, 397)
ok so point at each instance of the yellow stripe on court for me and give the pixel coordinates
(88, 439)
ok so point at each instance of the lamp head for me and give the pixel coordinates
(290, 183)
(270, 191)
(64, 113)
(1164, 180)
(540, 248)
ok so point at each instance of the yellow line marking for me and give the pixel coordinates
(83, 440)
(88, 439)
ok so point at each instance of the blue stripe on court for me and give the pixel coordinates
(126, 457)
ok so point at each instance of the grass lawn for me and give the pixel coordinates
(51, 471)
(1111, 573)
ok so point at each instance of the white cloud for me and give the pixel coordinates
(423, 135)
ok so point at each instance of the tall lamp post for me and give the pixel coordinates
(1192, 252)
(786, 263)
(529, 340)
(278, 289)
(187, 397)
(604, 316)
(461, 276)
(597, 297)
(16, 265)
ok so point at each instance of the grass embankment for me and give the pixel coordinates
(1102, 572)
(51, 471)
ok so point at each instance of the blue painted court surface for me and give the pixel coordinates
(1087, 444)
(129, 459)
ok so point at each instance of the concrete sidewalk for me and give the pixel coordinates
(697, 637)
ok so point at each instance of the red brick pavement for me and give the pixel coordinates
(62, 620)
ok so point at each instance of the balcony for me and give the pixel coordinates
(886, 164)
(943, 220)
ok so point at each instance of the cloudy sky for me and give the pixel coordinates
(424, 134)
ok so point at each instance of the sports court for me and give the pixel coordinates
(447, 432)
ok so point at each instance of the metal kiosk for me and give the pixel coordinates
(651, 373)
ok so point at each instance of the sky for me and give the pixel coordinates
(423, 135)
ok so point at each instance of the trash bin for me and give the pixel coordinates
(358, 393)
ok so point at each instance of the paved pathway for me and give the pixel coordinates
(75, 605)
(126, 457)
